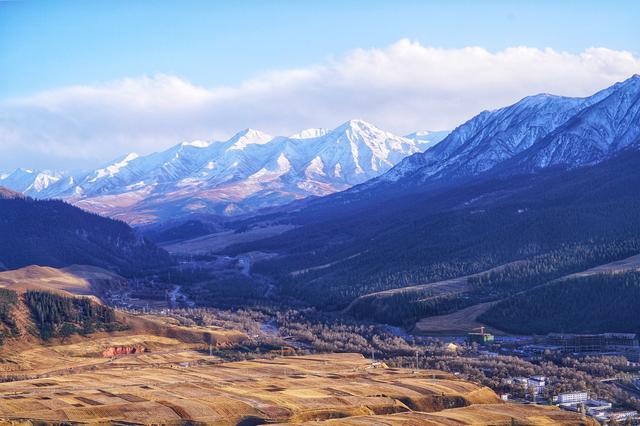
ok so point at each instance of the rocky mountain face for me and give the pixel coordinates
(537, 132)
(250, 171)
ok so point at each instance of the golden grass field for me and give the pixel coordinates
(295, 389)
(76, 280)
(480, 415)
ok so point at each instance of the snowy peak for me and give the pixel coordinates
(609, 124)
(248, 137)
(428, 139)
(251, 170)
(30, 182)
(114, 168)
(359, 128)
(538, 131)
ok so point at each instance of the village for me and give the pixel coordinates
(536, 389)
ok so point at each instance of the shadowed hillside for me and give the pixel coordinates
(54, 233)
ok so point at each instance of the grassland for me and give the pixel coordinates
(75, 280)
(459, 322)
(158, 371)
(486, 414)
(290, 389)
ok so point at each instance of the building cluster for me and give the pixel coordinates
(626, 344)
(579, 401)
(598, 409)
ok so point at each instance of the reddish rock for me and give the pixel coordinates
(123, 350)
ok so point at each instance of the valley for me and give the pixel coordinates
(342, 276)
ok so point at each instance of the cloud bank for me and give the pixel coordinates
(402, 88)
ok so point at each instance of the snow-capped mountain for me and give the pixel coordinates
(537, 132)
(249, 171)
(30, 182)
(603, 128)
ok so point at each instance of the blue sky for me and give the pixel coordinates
(84, 82)
(45, 44)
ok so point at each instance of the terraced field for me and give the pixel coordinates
(479, 415)
(290, 389)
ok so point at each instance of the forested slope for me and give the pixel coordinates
(594, 304)
(54, 233)
(560, 221)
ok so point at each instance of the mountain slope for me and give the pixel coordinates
(604, 128)
(375, 244)
(252, 170)
(537, 132)
(54, 233)
(30, 182)
(601, 303)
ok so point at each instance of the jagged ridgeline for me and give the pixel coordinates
(54, 233)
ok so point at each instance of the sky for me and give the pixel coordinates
(83, 82)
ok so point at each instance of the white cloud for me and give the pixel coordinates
(402, 88)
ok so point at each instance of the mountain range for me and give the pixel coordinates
(535, 133)
(547, 186)
(250, 171)
(395, 228)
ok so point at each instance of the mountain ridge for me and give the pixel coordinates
(523, 137)
(249, 171)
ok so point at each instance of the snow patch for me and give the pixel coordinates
(315, 168)
(115, 168)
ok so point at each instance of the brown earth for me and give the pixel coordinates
(486, 414)
(290, 389)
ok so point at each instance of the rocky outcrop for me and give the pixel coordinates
(123, 350)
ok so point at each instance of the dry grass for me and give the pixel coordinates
(38, 360)
(348, 387)
(459, 322)
(46, 278)
(479, 415)
(306, 388)
(166, 327)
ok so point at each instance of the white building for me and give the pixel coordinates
(536, 384)
(573, 397)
